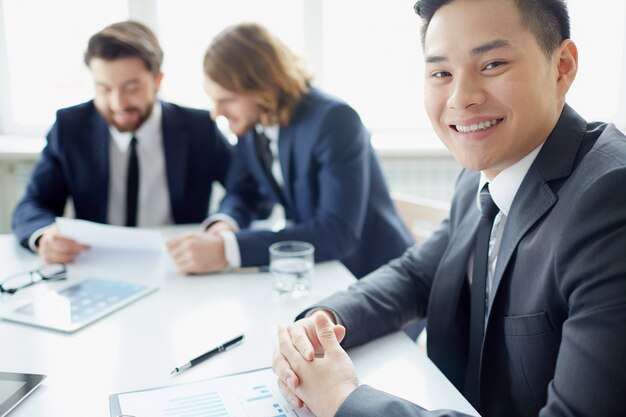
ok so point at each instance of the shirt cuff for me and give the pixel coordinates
(32, 240)
(220, 217)
(231, 249)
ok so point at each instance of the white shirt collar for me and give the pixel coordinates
(505, 185)
(149, 130)
(270, 131)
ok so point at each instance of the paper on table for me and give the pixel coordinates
(251, 394)
(104, 236)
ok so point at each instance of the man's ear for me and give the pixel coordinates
(567, 66)
(158, 78)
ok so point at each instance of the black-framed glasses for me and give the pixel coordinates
(49, 272)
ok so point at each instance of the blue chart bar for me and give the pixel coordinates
(205, 405)
(261, 397)
(261, 389)
(279, 410)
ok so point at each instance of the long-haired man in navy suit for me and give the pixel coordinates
(174, 153)
(524, 286)
(298, 147)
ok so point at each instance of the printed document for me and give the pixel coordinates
(104, 236)
(248, 394)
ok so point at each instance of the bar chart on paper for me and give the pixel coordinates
(251, 394)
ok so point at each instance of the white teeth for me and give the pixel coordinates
(477, 126)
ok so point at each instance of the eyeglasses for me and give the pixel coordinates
(50, 272)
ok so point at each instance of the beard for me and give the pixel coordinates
(128, 120)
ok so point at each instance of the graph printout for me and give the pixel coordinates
(250, 394)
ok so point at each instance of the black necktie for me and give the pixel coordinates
(132, 185)
(488, 211)
(262, 144)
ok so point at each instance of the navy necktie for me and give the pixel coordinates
(132, 185)
(488, 211)
(262, 144)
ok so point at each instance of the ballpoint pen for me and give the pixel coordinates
(207, 355)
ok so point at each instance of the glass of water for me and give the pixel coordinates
(291, 266)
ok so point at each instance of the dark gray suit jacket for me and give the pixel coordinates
(555, 340)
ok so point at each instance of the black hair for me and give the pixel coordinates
(548, 20)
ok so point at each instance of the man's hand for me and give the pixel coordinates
(54, 248)
(299, 364)
(196, 253)
(220, 226)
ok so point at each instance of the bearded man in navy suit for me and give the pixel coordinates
(174, 153)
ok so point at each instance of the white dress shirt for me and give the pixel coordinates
(154, 197)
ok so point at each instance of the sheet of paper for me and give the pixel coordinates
(250, 394)
(104, 236)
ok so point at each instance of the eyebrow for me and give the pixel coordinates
(479, 50)
(489, 46)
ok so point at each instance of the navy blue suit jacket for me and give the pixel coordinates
(334, 190)
(75, 162)
(555, 337)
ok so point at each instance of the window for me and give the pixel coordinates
(373, 59)
(186, 27)
(367, 53)
(44, 47)
(599, 30)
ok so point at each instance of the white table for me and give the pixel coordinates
(137, 346)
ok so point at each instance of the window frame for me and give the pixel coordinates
(146, 11)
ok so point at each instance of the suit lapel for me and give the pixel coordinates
(448, 314)
(535, 196)
(286, 139)
(98, 142)
(452, 270)
(175, 148)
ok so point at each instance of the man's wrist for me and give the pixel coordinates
(329, 313)
(220, 217)
(340, 395)
(35, 238)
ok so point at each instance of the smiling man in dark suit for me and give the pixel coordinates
(524, 286)
(298, 147)
(124, 158)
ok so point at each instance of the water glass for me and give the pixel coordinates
(291, 266)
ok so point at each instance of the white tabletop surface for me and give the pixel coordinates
(137, 346)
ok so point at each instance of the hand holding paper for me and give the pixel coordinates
(55, 248)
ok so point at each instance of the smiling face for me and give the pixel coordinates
(241, 111)
(125, 91)
(491, 92)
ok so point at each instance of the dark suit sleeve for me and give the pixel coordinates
(383, 301)
(46, 193)
(367, 401)
(341, 168)
(590, 377)
(243, 201)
